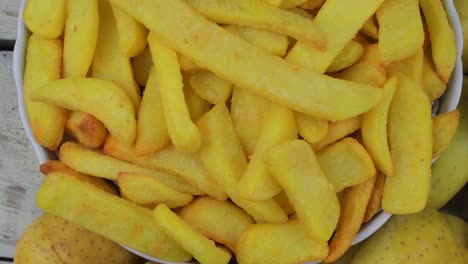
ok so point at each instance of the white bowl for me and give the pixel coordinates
(448, 102)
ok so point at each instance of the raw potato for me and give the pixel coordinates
(132, 34)
(202, 249)
(350, 54)
(43, 64)
(310, 128)
(375, 201)
(107, 215)
(45, 18)
(257, 14)
(279, 244)
(337, 131)
(294, 165)
(87, 95)
(251, 68)
(182, 131)
(88, 130)
(220, 221)
(432, 84)
(142, 65)
(147, 190)
(50, 239)
(80, 37)
(346, 163)
(444, 127)
(210, 87)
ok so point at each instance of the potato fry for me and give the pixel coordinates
(86, 95)
(80, 37)
(346, 163)
(186, 64)
(248, 112)
(337, 131)
(147, 190)
(43, 64)
(86, 128)
(312, 4)
(267, 243)
(399, 38)
(333, 18)
(256, 182)
(142, 65)
(375, 201)
(58, 166)
(252, 68)
(99, 165)
(169, 160)
(350, 54)
(45, 18)
(272, 42)
(208, 216)
(444, 127)
(370, 28)
(257, 14)
(222, 156)
(353, 208)
(197, 107)
(92, 208)
(374, 130)
(210, 87)
(282, 200)
(152, 133)
(109, 62)
(132, 34)
(412, 67)
(286, 4)
(407, 191)
(294, 165)
(443, 46)
(433, 86)
(182, 131)
(311, 128)
(202, 249)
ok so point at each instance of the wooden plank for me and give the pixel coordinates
(8, 17)
(19, 176)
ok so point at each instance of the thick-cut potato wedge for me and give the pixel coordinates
(375, 200)
(172, 161)
(444, 49)
(252, 68)
(432, 85)
(337, 131)
(152, 134)
(399, 38)
(257, 183)
(374, 130)
(202, 249)
(257, 14)
(295, 167)
(182, 131)
(312, 4)
(412, 67)
(353, 208)
(222, 155)
(109, 62)
(285, 3)
(103, 99)
(58, 166)
(108, 215)
(186, 64)
(132, 34)
(248, 112)
(370, 28)
(43, 64)
(274, 43)
(197, 107)
(86, 128)
(282, 200)
(279, 244)
(142, 65)
(310, 128)
(444, 127)
(340, 26)
(45, 18)
(220, 221)
(346, 163)
(147, 190)
(80, 37)
(411, 151)
(350, 54)
(96, 164)
(210, 87)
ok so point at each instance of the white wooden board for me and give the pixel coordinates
(8, 17)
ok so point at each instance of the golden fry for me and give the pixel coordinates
(87, 129)
(132, 34)
(412, 67)
(210, 87)
(282, 200)
(142, 65)
(197, 107)
(312, 4)
(311, 128)
(433, 86)
(370, 28)
(375, 200)
(337, 131)
(444, 127)
(350, 54)
(45, 18)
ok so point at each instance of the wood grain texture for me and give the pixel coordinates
(19, 169)
(8, 17)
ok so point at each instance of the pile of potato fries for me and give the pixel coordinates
(270, 130)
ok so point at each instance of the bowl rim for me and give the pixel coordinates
(449, 102)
